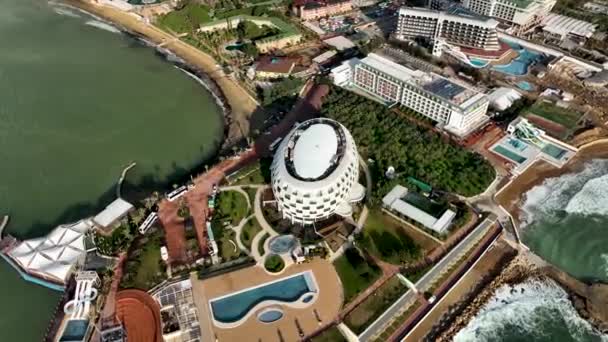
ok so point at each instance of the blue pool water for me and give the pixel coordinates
(270, 316)
(478, 63)
(519, 66)
(509, 154)
(524, 85)
(234, 307)
(75, 330)
(554, 151)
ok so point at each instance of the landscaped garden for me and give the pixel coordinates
(561, 121)
(231, 206)
(274, 263)
(368, 311)
(144, 267)
(414, 151)
(387, 240)
(356, 273)
(250, 230)
(261, 249)
(330, 335)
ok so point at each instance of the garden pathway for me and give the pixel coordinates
(255, 251)
(238, 230)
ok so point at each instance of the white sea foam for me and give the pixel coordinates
(527, 306)
(102, 25)
(569, 193)
(66, 12)
(592, 199)
(604, 258)
(204, 84)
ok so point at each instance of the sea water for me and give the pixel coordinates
(79, 101)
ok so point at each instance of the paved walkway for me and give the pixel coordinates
(238, 230)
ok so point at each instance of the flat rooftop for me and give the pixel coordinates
(455, 93)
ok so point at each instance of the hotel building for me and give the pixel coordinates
(314, 9)
(457, 108)
(519, 15)
(315, 172)
(458, 28)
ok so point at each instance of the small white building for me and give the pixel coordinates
(503, 98)
(562, 27)
(110, 216)
(342, 75)
(394, 200)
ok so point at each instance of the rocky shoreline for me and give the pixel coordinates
(590, 301)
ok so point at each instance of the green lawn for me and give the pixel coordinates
(185, 19)
(330, 335)
(261, 243)
(227, 248)
(386, 239)
(366, 313)
(563, 116)
(251, 194)
(355, 273)
(231, 205)
(250, 230)
(274, 263)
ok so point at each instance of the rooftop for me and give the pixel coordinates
(113, 212)
(454, 92)
(563, 25)
(315, 149)
(279, 65)
(520, 3)
(458, 14)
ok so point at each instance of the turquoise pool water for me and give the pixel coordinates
(517, 144)
(519, 66)
(554, 151)
(524, 85)
(509, 154)
(270, 316)
(478, 63)
(233, 307)
(75, 330)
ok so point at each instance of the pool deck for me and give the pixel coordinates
(328, 303)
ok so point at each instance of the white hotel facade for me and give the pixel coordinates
(520, 15)
(458, 108)
(462, 30)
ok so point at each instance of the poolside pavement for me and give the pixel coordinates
(327, 305)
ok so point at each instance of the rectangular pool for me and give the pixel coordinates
(234, 306)
(509, 154)
(554, 151)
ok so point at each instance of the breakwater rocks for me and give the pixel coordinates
(507, 270)
(590, 301)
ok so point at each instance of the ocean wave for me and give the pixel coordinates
(567, 193)
(592, 199)
(205, 84)
(66, 12)
(526, 310)
(103, 25)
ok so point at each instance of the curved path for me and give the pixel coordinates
(238, 230)
(239, 189)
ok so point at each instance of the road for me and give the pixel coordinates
(427, 280)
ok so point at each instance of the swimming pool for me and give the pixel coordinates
(282, 244)
(270, 315)
(478, 63)
(519, 66)
(509, 154)
(236, 306)
(525, 85)
(554, 151)
(75, 330)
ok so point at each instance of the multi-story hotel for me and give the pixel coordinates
(458, 108)
(460, 29)
(314, 9)
(520, 15)
(315, 172)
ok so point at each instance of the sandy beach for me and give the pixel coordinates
(510, 196)
(241, 104)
